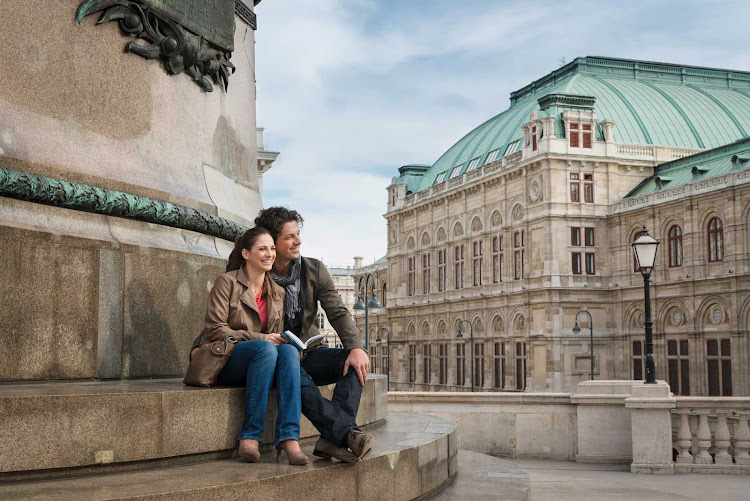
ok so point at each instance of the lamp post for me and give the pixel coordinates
(387, 354)
(577, 329)
(471, 340)
(366, 305)
(644, 249)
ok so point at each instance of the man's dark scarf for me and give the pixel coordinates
(293, 287)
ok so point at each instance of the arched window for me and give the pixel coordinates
(321, 320)
(383, 295)
(675, 246)
(635, 262)
(715, 240)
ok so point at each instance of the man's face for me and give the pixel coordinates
(288, 242)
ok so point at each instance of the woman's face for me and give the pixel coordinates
(261, 255)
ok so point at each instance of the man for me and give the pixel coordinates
(308, 282)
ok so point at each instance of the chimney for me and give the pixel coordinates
(357, 262)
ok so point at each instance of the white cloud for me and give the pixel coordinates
(349, 90)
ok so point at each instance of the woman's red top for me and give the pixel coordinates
(260, 300)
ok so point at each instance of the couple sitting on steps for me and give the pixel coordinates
(269, 288)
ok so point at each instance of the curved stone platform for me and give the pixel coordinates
(414, 456)
(81, 424)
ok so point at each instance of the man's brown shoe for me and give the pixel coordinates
(360, 443)
(326, 449)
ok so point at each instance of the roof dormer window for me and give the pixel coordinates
(491, 156)
(473, 164)
(455, 171)
(512, 147)
(580, 135)
(441, 177)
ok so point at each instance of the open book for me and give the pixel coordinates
(310, 344)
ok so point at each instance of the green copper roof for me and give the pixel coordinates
(698, 167)
(651, 103)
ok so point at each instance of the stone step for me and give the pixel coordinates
(414, 455)
(488, 478)
(78, 424)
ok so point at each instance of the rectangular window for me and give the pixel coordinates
(491, 156)
(499, 360)
(460, 364)
(411, 276)
(479, 365)
(443, 363)
(455, 171)
(477, 262)
(575, 195)
(719, 367)
(574, 141)
(586, 135)
(639, 362)
(575, 262)
(678, 366)
(518, 255)
(441, 177)
(574, 176)
(520, 366)
(575, 236)
(426, 363)
(458, 259)
(426, 273)
(441, 269)
(590, 263)
(497, 260)
(473, 164)
(412, 363)
(533, 138)
(588, 177)
(384, 360)
(588, 193)
(589, 237)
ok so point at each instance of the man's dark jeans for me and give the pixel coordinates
(333, 418)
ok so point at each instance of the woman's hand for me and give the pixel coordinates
(276, 339)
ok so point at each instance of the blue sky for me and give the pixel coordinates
(349, 90)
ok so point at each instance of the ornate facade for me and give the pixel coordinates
(529, 219)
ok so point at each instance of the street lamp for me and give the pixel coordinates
(577, 329)
(471, 340)
(387, 352)
(366, 305)
(644, 249)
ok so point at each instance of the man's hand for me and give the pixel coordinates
(276, 339)
(360, 362)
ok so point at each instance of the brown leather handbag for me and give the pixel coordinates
(208, 362)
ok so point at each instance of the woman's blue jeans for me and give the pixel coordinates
(258, 365)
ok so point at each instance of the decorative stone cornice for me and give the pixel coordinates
(81, 197)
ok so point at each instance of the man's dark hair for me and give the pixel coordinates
(274, 218)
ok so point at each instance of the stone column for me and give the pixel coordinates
(651, 423)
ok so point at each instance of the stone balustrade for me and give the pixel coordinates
(711, 434)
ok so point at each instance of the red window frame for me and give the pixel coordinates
(715, 240)
(674, 246)
(586, 233)
(575, 194)
(574, 139)
(588, 193)
(575, 263)
(586, 143)
(575, 236)
(590, 270)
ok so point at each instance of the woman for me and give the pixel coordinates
(246, 303)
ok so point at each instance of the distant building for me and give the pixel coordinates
(343, 279)
(529, 218)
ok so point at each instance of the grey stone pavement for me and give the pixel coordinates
(486, 477)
